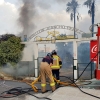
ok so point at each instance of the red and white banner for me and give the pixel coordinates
(93, 49)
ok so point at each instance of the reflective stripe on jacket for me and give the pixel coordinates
(55, 64)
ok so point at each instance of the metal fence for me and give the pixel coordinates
(88, 73)
(27, 69)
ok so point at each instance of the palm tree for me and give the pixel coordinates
(91, 5)
(72, 8)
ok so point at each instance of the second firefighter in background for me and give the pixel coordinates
(57, 64)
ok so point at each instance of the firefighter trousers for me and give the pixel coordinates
(45, 70)
(56, 74)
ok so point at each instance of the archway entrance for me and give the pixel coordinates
(55, 27)
(55, 40)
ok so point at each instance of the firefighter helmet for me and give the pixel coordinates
(54, 52)
(49, 55)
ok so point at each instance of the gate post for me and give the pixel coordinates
(36, 58)
(75, 73)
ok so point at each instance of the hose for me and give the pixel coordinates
(80, 76)
(81, 89)
(87, 66)
(14, 92)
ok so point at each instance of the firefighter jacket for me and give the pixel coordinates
(56, 62)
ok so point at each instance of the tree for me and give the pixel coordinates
(10, 49)
(72, 8)
(91, 5)
(5, 37)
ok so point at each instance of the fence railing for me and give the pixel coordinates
(88, 73)
(27, 69)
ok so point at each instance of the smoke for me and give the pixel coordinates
(66, 1)
(26, 19)
(66, 53)
(24, 68)
(62, 1)
(43, 5)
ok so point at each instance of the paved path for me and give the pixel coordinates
(62, 93)
(68, 93)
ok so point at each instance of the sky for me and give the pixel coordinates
(42, 13)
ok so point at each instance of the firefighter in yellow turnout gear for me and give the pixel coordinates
(45, 70)
(57, 64)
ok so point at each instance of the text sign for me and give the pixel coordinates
(93, 50)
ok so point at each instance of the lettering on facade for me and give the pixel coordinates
(55, 27)
(54, 36)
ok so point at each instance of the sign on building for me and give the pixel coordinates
(93, 50)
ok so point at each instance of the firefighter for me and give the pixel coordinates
(45, 70)
(57, 64)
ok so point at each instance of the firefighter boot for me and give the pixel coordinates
(43, 89)
(58, 83)
(53, 88)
